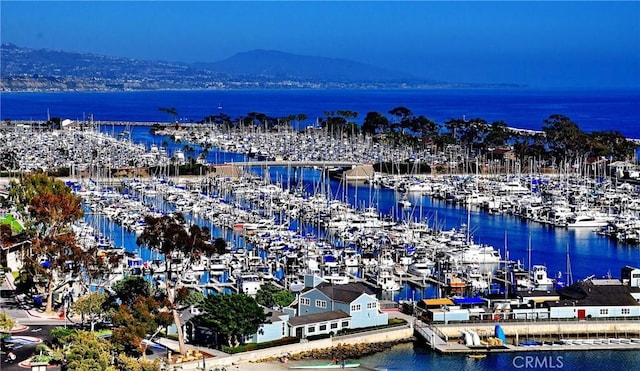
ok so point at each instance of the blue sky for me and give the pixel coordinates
(542, 43)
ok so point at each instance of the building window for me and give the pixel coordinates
(373, 305)
(323, 327)
(345, 324)
(305, 301)
(635, 275)
(321, 303)
(604, 311)
(311, 329)
(626, 311)
(334, 325)
(356, 307)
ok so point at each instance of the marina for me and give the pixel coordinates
(313, 226)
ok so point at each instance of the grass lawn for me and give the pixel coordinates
(15, 226)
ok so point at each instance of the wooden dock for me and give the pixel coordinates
(578, 336)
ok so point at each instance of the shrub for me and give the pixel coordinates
(42, 349)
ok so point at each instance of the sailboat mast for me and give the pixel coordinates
(529, 254)
(507, 283)
(568, 272)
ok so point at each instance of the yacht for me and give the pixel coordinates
(336, 278)
(249, 283)
(540, 278)
(387, 281)
(588, 220)
(422, 269)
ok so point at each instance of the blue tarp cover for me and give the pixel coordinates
(467, 301)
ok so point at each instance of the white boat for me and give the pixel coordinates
(189, 279)
(249, 283)
(336, 278)
(588, 220)
(540, 278)
(422, 269)
(387, 281)
(217, 266)
(404, 202)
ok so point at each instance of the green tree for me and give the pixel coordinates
(455, 126)
(193, 298)
(88, 352)
(271, 296)
(300, 117)
(334, 123)
(233, 316)
(425, 127)
(51, 211)
(168, 235)
(132, 324)
(564, 138)
(497, 135)
(6, 323)
(126, 363)
(375, 122)
(402, 116)
(129, 288)
(610, 143)
(472, 132)
(91, 308)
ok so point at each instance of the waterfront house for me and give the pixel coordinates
(275, 327)
(631, 277)
(319, 323)
(595, 298)
(355, 299)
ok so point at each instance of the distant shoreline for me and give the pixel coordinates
(443, 86)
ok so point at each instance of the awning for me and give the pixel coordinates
(545, 299)
(443, 301)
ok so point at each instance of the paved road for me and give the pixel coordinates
(30, 328)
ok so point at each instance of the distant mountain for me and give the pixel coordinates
(272, 64)
(52, 70)
(24, 69)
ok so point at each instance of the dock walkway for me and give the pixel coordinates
(575, 336)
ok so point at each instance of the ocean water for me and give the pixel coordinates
(522, 108)
(589, 253)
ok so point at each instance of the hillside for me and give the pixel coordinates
(273, 64)
(24, 69)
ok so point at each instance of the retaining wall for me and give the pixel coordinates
(378, 336)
